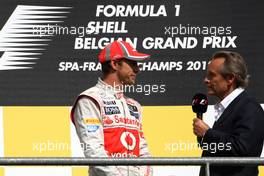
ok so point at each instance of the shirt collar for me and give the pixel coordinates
(229, 98)
(221, 106)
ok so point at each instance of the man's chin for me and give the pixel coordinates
(129, 83)
(210, 92)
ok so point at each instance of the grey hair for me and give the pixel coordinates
(234, 64)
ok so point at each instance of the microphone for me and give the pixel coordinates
(199, 104)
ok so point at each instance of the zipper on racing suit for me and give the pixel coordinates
(125, 129)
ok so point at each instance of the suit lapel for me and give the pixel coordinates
(230, 108)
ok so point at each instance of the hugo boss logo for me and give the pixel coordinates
(111, 110)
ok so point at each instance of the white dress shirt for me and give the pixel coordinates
(221, 106)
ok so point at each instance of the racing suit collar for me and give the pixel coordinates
(117, 91)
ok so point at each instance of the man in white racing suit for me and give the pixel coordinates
(108, 123)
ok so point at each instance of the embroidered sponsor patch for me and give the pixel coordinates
(111, 110)
(92, 128)
(135, 114)
(107, 120)
(109, 102)
(133, 110)
(91, 121)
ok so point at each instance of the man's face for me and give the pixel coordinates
(127, 72)
(216, 84)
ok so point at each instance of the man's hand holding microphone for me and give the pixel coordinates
(199, 106)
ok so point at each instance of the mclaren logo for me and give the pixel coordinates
(20, 45)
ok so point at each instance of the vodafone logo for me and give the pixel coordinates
(128, 140)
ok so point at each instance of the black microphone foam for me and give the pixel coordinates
(199, 104)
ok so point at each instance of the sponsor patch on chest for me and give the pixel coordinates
(133, 110)
(110, 110)
(109, 102)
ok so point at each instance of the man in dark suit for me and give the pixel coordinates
(238, 129)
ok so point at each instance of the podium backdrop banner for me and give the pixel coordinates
(48, 50)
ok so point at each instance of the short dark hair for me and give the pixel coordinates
(234, 64)
(107, 68)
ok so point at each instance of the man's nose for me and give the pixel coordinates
(206, 80)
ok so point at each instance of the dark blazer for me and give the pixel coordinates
(239, 132)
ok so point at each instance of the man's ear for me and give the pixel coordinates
(114, 64)
(231, 79)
